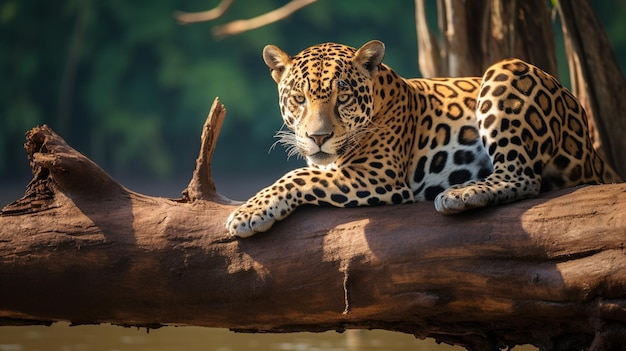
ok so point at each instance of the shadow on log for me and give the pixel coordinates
(80, 247)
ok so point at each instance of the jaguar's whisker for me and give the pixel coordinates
(288, 140)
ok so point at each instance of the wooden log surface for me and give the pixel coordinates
(80, 247)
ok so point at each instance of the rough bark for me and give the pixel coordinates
(596, 79)
(475, 34)
(80, 247)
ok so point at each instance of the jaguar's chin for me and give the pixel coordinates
(321, 158)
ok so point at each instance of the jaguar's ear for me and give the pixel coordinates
(276, 59)
(370, 56)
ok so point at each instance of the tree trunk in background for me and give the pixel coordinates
(477, 33)
(597, 80)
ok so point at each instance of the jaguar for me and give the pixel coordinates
(371, 137)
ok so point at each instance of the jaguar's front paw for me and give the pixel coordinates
(455, 200)
(248, 220)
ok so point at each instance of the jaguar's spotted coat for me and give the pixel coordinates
(371, 137)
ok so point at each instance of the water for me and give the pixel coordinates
(62, 337)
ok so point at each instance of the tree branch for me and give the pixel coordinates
(240, 26)
(80, 247)
(203, 16)
(201, 186)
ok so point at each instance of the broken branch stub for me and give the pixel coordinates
(201, 186)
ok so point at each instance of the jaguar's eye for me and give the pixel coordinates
(343, 98)
(298, 98)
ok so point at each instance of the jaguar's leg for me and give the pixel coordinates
(500, 187)
(513, 124)
(340, 188)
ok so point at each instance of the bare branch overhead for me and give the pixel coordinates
(242, 25)
(203, 16)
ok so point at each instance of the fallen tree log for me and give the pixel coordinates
(80, 247)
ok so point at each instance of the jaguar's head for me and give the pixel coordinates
(326, 96)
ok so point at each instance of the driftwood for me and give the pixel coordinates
(80, 247)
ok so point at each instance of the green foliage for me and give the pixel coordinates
(129, 87)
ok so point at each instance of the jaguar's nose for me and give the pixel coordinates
(319, 138)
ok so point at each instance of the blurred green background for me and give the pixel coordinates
(128, 86)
